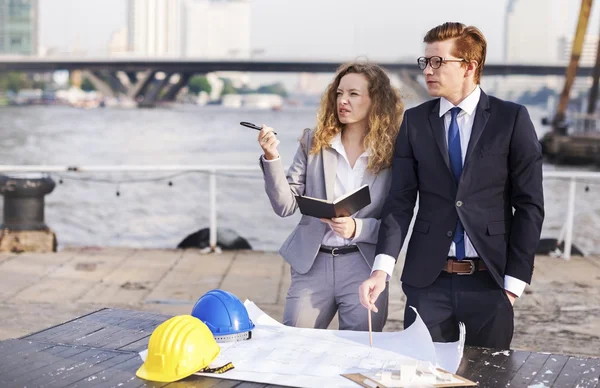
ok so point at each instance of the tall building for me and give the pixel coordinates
(154, 28)
(534, 39)
(216, 29)
(19, 27)
(118, 44)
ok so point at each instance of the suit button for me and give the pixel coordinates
(459, 203)
(449, 234)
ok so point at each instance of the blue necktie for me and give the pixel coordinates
(455, 153)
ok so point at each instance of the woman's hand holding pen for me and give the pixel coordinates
(268, 142)
(342, 226)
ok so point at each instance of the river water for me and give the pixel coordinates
(85, 209)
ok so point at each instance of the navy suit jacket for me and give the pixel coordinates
(502, 171)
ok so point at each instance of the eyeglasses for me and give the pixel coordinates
(435, 62)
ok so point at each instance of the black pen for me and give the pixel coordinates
(253, 126)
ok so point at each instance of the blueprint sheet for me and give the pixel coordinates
(298, 357)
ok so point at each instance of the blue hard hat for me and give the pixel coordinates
(223, 313)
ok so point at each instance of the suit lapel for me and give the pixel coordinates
(439, 133)
(329, 168)
(481, 118)
(368, 178)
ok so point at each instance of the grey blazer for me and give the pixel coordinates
(314, 176)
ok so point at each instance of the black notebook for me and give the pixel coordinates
(344, 206)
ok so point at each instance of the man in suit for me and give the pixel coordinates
(472, 159)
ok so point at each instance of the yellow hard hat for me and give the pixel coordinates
(178, 348)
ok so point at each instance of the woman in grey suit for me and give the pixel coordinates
(352, 145)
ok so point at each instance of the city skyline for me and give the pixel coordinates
(292, 30)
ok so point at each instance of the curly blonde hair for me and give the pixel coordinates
(384, 117)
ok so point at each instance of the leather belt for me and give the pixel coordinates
(336, 251)
(464, 266)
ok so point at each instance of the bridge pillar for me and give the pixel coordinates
(116, 83)
(111, 80)
(151, 96)
(98, 83)
(176, 87)
(140, 87)
(132, 76)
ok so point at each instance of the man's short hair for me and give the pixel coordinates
(470, 44)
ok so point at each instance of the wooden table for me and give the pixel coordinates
(101, 350)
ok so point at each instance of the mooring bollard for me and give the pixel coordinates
(23, 228)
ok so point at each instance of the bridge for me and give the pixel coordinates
(136, 77)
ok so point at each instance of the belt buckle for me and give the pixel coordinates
(472, 271)
(333, 252)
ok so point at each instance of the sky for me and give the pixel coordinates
(380, 30)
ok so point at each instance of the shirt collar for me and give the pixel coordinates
(468, 105)
(336, 144)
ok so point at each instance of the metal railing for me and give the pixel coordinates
(566, 233)
(584, 123)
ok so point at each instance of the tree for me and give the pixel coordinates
(276, 88)
(87, 85)
(228, 87)
(14, 81)
(199, 84)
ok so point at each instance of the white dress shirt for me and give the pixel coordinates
(347, 179)
(465, 120)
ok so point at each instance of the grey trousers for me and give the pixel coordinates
(331, 286)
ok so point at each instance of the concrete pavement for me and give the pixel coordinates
(560, 312)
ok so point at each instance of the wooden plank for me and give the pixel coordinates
(51, 333)
(142, 332)
(74, 366)
(120, 375)
(88, 329)
(87, 373)
(131, 331)
(468, 360)
(483, 362)
(75, 332)
(47, 359)
(109, 328)
(550, 370)
(207, 382)
(529, 370)
(40, 363)
(13, 355)
(114, 325)
(503, 376)
(199, 382)
(6, 347)
(118, 336)
(579, 371)
(137, 346)
(33, 362)
(228, 384)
